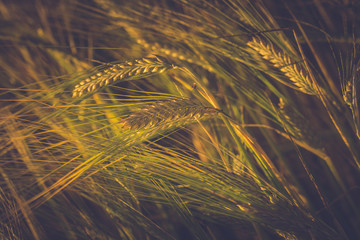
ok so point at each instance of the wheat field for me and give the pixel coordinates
(179, 119)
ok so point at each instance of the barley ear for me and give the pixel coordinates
(350, 98)
(299, 79)
(298, 126)
(126, 71)
(173, 53)
(169, 113)
(348, 93)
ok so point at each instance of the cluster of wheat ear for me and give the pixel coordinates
(293, 70)
(130, 70)
(169, 112)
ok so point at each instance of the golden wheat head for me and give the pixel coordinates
(130, 70)
(168, 112)
(299, 79)
(177, 54)
(348, 93)
(297, 125)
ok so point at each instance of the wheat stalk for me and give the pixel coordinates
(169, 112)
(130, 70)
(299, 78)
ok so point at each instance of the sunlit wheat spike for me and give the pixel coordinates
(175, 54)
(347, 93)
(298, 76)
(169, 112)
(130, 70)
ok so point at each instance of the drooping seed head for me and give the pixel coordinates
(169, 112)
(299, 78)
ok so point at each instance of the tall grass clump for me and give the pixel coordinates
(179, 119)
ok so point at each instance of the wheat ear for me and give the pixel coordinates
(174, 53)
(350, 98)
(348, 93)
(130, 70)
(169, 113)
(297, 125)
(294, 71)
